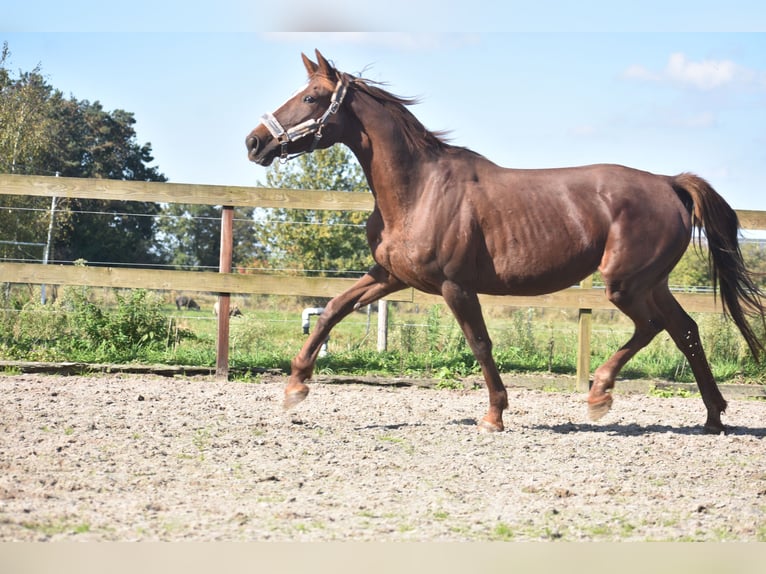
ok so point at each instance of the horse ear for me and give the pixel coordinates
(325, 68)
(311, 67)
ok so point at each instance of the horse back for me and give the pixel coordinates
(537, 231)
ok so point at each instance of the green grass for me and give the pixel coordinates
(51, 527)
(405, 445)
(110, 326)
(667, 393)
(502, 532)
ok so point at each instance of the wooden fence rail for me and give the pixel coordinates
(584, 298)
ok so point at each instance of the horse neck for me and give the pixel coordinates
(392, 167)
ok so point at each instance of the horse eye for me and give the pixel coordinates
(308, 99)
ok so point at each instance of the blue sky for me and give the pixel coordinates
(645, 88)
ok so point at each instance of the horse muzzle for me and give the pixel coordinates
(260, 149)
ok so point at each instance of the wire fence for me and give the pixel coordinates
(24, 255)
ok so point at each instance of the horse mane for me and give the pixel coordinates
(417, 136)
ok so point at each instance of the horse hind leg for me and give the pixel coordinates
(685, 334)
(647, 325)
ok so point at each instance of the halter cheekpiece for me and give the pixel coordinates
(303, 129)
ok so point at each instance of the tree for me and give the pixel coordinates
(24, 123)
(44, 133)
(692, 270)
(191, 235)
(88, 141)
(754, 254)
(23, 117)
(316, 242)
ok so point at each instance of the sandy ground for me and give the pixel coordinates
(141, 457)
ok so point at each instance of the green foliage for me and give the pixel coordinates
(27, 332)
(192, 235)
(89, 141)
(76, 327)
(693, 269)
(754, 254)
(315, 242)
(23, 116)
(44, 133)
(24, 124)
(132, 328)
(522, 344)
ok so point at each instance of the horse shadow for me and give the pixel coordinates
(615, 429)
(389, 427)
(630, 429)
(634, 429)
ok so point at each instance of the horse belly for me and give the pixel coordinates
(526, 284)
(538, 266)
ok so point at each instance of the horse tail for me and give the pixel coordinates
(740, 296)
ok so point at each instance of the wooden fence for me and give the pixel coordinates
(585, 298)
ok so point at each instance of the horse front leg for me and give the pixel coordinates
(375, 284)
(467, 310)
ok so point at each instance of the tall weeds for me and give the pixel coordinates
(79, 327)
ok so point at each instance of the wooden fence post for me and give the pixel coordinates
(584, 330)
(224, 266)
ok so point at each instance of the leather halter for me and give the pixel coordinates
(313, 126)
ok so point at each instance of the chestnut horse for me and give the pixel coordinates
(449, 221)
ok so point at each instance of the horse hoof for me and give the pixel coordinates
(293, 399)
(490, 427)
(714, 428)
(599, 409)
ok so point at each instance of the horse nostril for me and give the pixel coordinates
(252, 144)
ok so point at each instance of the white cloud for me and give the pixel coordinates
(702, 74)
(705, 75)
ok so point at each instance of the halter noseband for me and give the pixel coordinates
(303, 129)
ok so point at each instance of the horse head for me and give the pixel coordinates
(305, 122)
